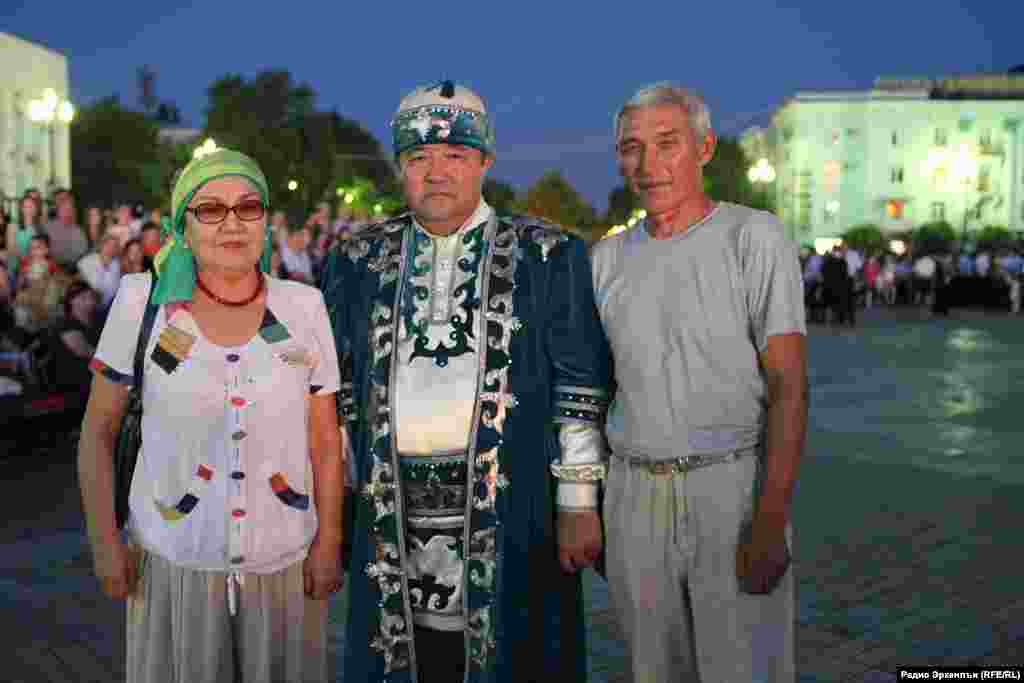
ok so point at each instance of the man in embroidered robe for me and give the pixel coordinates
(474, 388)
(703, 306)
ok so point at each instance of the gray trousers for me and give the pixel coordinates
(671, 566)
(180, 629)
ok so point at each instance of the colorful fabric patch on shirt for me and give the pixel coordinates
(300, 356)
(110, 373)
(272, 330)
(172, 348)
(188, 502)
(286, 494)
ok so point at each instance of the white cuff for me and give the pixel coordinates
(577, 496)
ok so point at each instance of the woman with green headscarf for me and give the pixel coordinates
(234, 529)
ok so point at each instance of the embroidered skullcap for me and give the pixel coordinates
(175, 264)
(442, 113)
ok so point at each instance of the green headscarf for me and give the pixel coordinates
(175, 265)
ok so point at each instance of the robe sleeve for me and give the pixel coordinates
(333, 286)
(579, 356)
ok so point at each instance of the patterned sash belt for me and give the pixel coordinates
(435, 506)
(686, 463)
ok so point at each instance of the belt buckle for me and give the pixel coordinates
(661, 467)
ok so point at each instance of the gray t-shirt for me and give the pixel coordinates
(686, 318)
(67, 243)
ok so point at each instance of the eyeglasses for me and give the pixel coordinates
(212, 213)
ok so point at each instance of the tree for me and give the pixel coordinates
(275, 120)
(622, 201)
(865, 237)
(725, 176)
(994, 236)
(553, 198)
(500, 195)
(936, 231)
(112, 153)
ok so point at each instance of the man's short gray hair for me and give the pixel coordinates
(665, 92)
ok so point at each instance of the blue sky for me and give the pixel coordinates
(553, 73)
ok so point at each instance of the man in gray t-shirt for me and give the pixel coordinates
(67, 239)
(703, 307)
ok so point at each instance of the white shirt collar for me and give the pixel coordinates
(482, 213)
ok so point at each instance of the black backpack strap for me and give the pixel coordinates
(148, 318)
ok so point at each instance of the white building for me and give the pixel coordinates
(905, 153)
(33, 153)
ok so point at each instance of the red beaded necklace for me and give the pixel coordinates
(225, 302)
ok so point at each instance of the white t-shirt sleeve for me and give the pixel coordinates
(326, 377)
(115, 353)
(775, 297)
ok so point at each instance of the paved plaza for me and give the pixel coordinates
(908, 517)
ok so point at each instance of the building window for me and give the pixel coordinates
(896, 175)
(938, 211)
(895, 138)
(894, 208)
(941, 137)
(940, 178)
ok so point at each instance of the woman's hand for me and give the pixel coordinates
(321, 571)
(115, 564)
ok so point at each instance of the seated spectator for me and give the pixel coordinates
(76, 337)
(126, 226)
(151, 239)
(295, 256)
(133, 258)
(20, 234)
(276, 268)
(38, 263)
(7, 323)
(13, 340)
(101, 269)
(4, 221)
(279, 227)
(40, 287)
(67, 239)
(94, 225)
(343, 224)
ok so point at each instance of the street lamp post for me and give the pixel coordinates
(49, 111)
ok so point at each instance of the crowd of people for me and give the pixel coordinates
(60, 269)
(840, 282)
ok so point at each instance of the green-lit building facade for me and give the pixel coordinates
(905, 153)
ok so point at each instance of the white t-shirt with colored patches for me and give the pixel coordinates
(224, 480)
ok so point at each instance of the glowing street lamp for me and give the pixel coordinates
(293, 185)
(49, 111)
(761, 172)
(208, 147)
